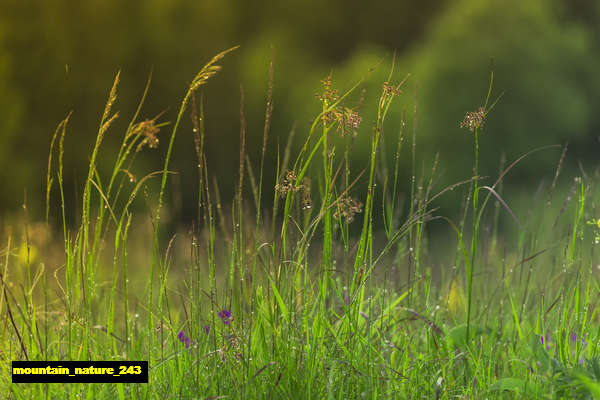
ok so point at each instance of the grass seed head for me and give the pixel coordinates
(473, 119)
(330, 94)
(150, 131)
(347, 119)
(288, 184)
(391, 90)
(347, 208)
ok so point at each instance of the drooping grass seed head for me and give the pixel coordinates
(150, 131)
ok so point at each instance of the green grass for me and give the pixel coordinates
(333, 295)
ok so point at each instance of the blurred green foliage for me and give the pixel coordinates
(62, 55)
(545, 70)
(545, 65)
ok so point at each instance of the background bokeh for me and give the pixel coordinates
(62, 55)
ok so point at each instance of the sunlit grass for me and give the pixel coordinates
(332, 295)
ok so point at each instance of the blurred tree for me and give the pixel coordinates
(11, 111)
(547, 66)
(62, 55)
(545, 63)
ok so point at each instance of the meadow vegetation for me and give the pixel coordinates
(311, 288)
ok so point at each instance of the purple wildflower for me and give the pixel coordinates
(225, 316)
(546, 341)
(474, 383)
(574, 340)
(574, 337)
(206, 329)
(184, 339)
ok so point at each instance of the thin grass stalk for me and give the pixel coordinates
(364, 246)
(126, 285)
(476, 217)
(87, 254)
(327, 237)
(469, 270)
(49, 179)
(279, 169)
(207, 72)
(104, 125)
(210, 245)
(302, 165)
(29, 305)
(60, 178)
(266, 131)
(423, 201)
(8, 308)
(239, 227)
(392, 207)
(412, 183)
(129, 141)
(125, 145)
(195, 288)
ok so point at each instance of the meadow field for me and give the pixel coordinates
(328, 285)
